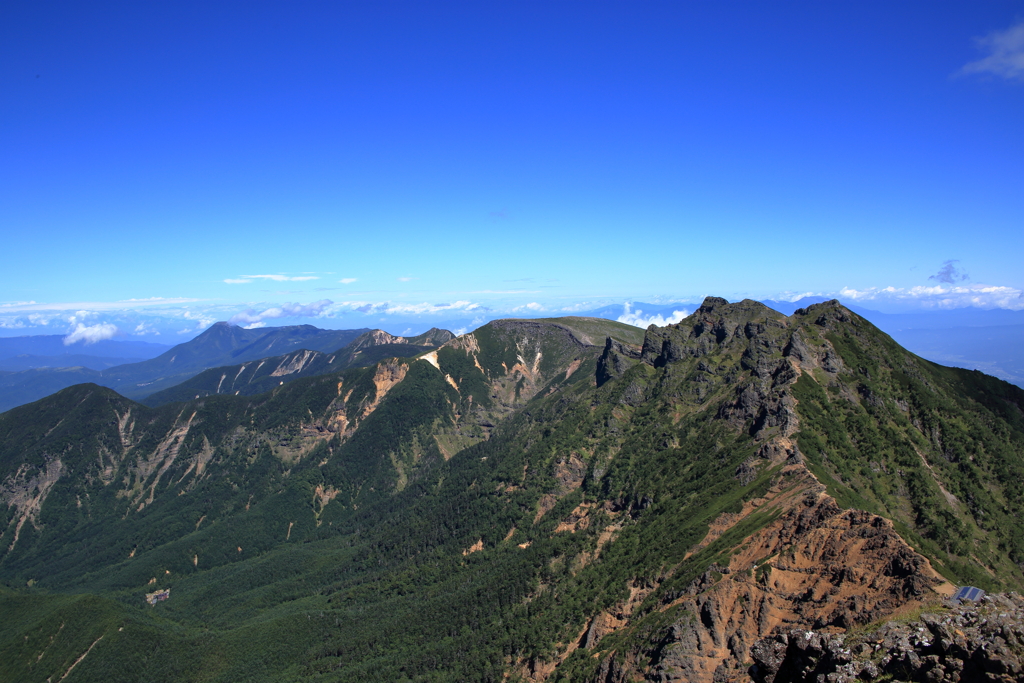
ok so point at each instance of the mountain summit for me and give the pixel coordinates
(567, 499)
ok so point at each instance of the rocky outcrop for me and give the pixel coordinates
(615, 360)
(815, 566)
(374, 338)
(26, 491)
(972, 642)
(745, 351)
(435, 336)
(716, 324)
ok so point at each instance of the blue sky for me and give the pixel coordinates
(166, 166)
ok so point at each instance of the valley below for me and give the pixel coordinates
(741, 496)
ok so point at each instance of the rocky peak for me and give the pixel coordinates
(435, 336)
(828, 314)
(716, 325)
(615, 360)
(375, 338)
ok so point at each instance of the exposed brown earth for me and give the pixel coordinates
(815, 565)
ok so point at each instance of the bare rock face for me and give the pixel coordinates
(972, 642)
(432, 337)
(748, 351)
(616, 359)
(814, 565)
(715, 324)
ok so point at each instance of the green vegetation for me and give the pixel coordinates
(401, 523)
(264, 374)
(937, 450)
(220, 345)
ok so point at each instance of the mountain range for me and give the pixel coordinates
(55, 346)
(221, 344)
(51, 351)
(990, 340)
(32, 367)
(257, 376)
(566, 499)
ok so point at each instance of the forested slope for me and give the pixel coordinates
(556, 499)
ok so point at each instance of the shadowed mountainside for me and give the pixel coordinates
(221, 344)
(565, 499)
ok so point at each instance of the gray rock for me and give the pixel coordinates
(972, 642)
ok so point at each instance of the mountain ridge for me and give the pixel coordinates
(222, 343)
(247, 379)
(520, 503)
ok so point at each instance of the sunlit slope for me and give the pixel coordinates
(221, 344)
(263, 374)
(530, 500)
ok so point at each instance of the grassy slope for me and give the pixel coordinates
(938, 450)
(384, 592)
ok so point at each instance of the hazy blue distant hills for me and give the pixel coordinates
(28, 362)
(221, 344)
(274, 341)
(997, 351)
(17, 388)
(53, 346)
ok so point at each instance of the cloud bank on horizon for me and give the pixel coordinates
(87, 323)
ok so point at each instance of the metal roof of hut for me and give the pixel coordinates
(968, 593)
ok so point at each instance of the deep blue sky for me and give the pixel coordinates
(502, 154)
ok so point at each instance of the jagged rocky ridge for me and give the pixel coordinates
(571, 508)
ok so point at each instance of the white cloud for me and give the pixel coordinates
(347, 280)
(145, 328)
(638, 319)
(582, 306)
(255, 326)
(390, 308)
(406, 279)
(90, 334)
(940, 296)
(85, 306)
(1005, 54)
(203, 319)
(506, 291)
(793, 297)
(276, 278)
(289, 310)
(532, 306)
